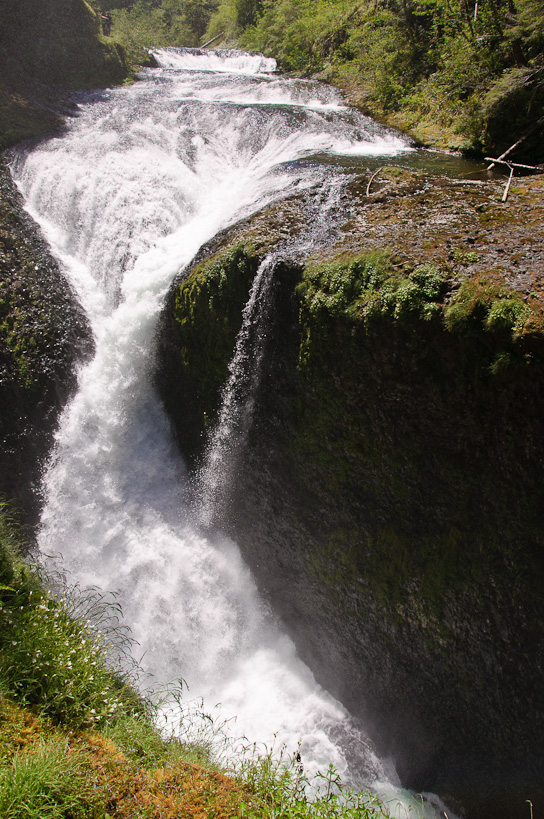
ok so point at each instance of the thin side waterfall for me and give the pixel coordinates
(140, 180)
(237, 399)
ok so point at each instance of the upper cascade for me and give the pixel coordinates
(230, 61)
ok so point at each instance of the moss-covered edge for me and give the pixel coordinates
(204, 318)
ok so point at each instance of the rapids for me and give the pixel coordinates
(141, 178)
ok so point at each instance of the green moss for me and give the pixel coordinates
(489, 303)
(384, 427)
(208, 315)
(369, 287)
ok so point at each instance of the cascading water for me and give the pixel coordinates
(229, 434)
(143, 176)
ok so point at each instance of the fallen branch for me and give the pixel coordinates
(515, 145)
(212, 40)
(370, 181)
(512, 165)
(507, 188)
(534, 168)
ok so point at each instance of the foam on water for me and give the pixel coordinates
(142, 178)
(229, 61)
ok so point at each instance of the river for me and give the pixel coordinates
(140, 179)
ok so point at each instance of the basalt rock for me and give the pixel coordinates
(43, 333)
(389, 498)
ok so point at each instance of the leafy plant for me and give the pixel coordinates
(369, 286)
(122, 761)
(418, 63)
(486, 302)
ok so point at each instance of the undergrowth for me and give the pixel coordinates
(77, 740)
(364, 289)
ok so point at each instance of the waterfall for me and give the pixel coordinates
(142, 177)
(237, 397)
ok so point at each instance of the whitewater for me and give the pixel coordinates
(141, 178)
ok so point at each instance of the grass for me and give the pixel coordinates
(46, 783)
(77, 740)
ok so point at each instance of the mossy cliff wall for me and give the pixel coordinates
(47, 47)
(390, 497)
(43, 332)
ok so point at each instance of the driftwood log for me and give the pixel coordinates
(532, 130)
(512, 166)
(372, 178)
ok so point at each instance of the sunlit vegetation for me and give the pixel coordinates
(77, 740)
(463, 74)
(142, 24)
(466, 73)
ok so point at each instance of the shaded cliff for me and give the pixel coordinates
(47, 47)
(43, 333)
(389, 499)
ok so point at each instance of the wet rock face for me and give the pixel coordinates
(43, 333)
(390, 497)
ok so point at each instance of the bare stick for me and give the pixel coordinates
(534, 168)
(370, 181)
(515, 145)
(507, 188)
(212, 40)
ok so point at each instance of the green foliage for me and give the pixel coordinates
(247, 12)
(287, 793)
(45, 784)
(296, 32)
(369, 287)
(148, 24)
(57, 657)
(418, 62)
(142, 26)
(508, 314)
(481, 302)
(59, 663)
(514, 103)
(139, 740)
(54, 44)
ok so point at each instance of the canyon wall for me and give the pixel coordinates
(43, 333)
(389, 496)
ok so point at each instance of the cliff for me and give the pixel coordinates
(43, 333)
(46, 48)
(389, 496)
